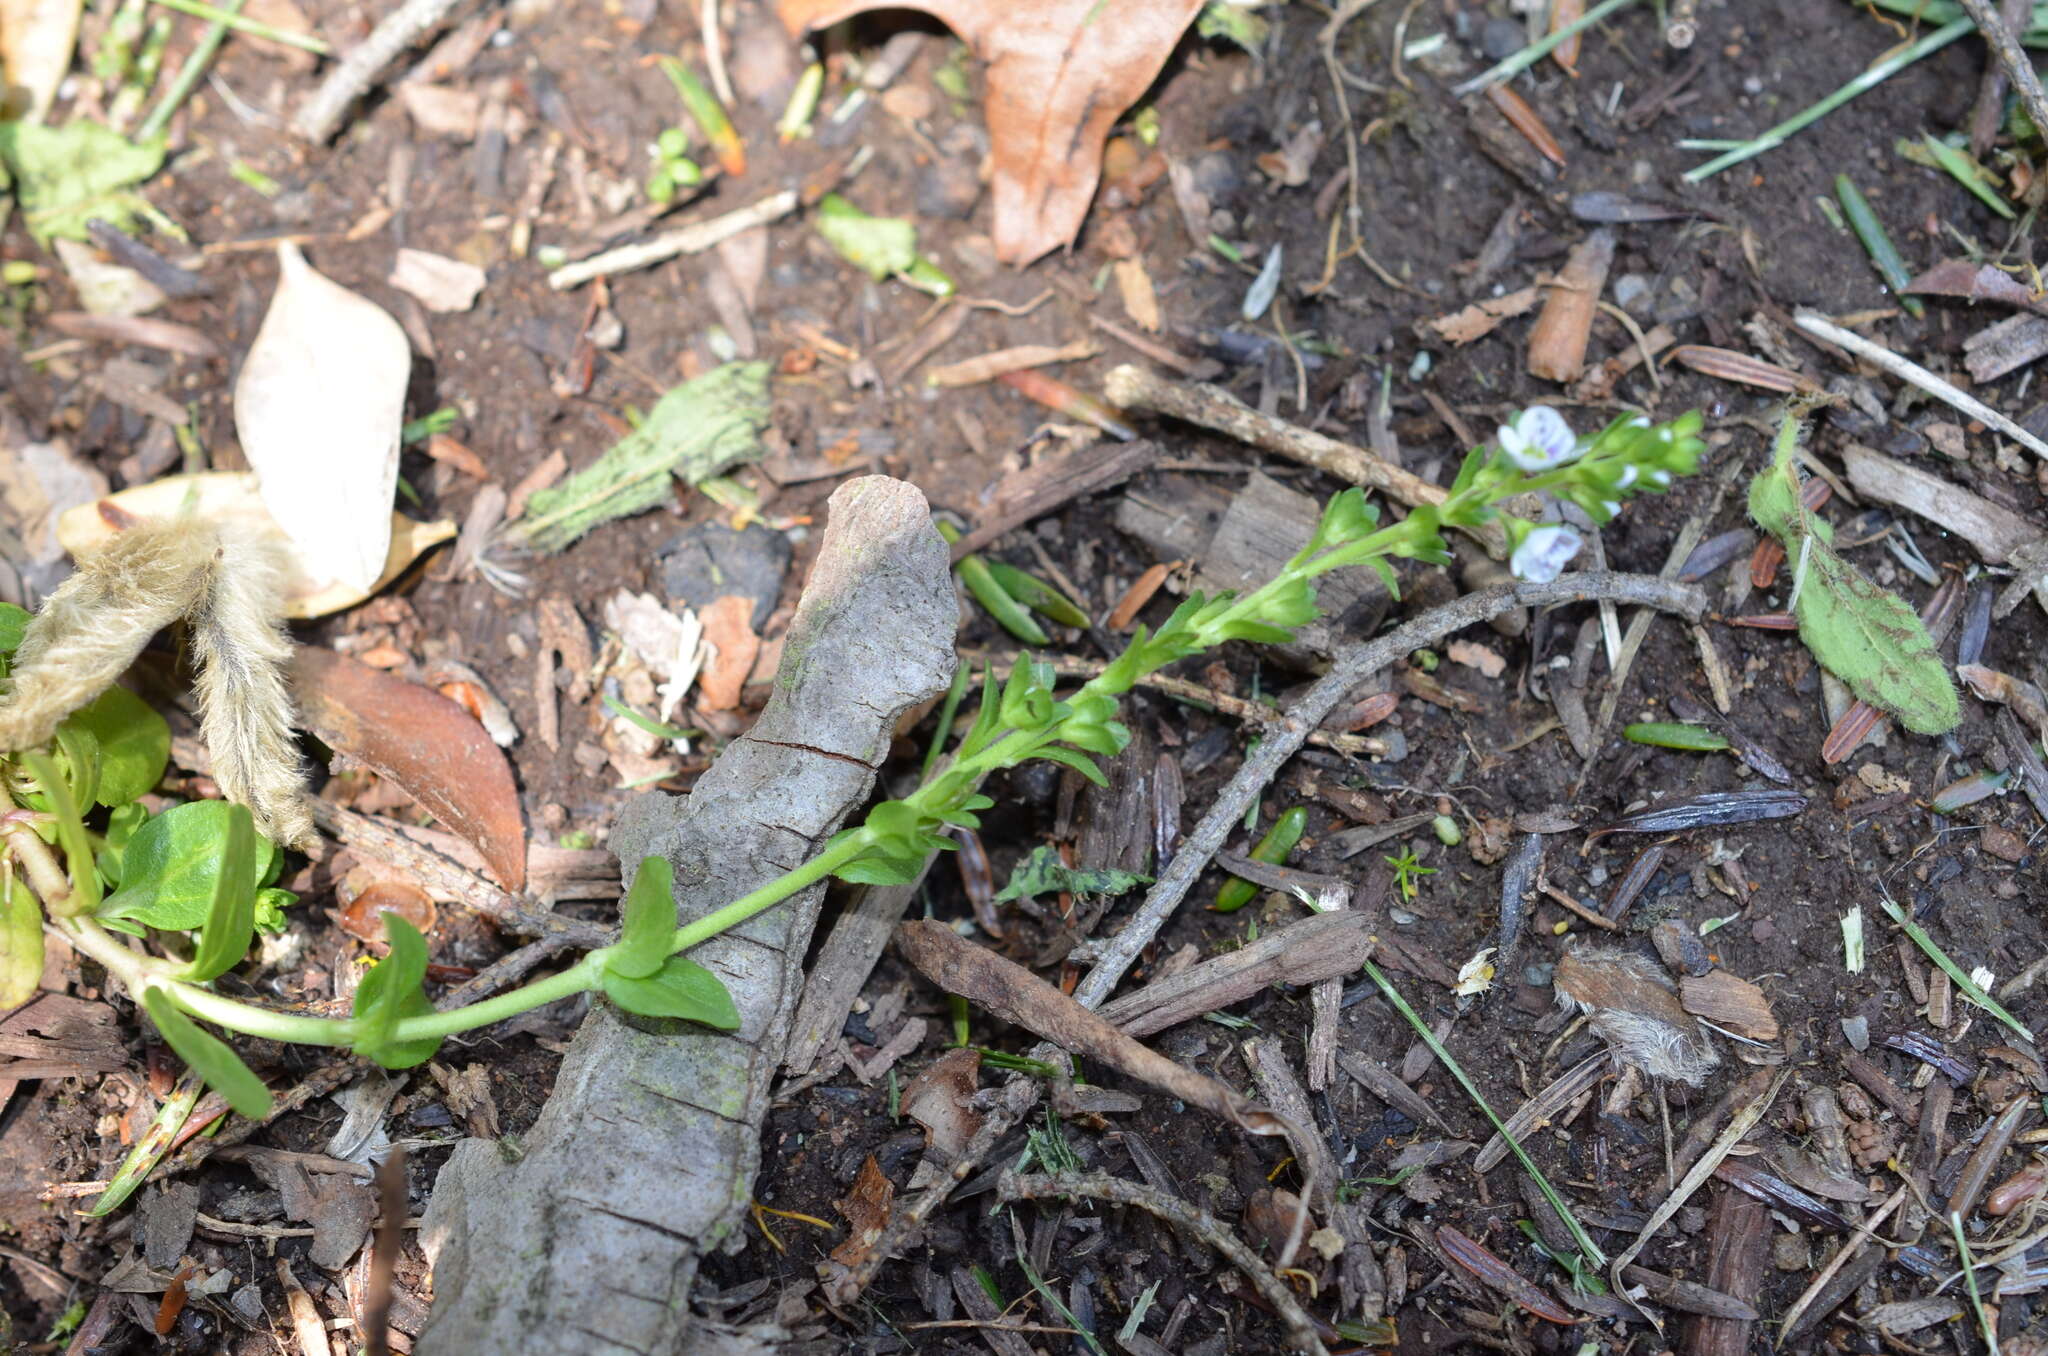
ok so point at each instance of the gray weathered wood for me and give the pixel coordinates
(587, 1237)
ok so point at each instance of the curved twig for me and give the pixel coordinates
(1353, 666)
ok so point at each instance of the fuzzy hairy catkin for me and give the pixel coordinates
(245, 707)
(89, 630)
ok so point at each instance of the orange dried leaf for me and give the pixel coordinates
(422, 741)
(1060, 73)
(727, 628)
(1481, 318)
(1524, 119)
(866, 1208)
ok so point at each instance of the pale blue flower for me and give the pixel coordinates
(1538, 440)
(1543, 552)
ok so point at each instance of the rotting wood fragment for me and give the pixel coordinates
(1323, 946)
(1738, 1242)
(1381, 1083)
(645, 1155)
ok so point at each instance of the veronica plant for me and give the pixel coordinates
(198, 876)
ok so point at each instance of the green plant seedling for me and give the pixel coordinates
(1408, 874)
(1273, 849)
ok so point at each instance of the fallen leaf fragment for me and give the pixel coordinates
(734, 646)
(866, 1208)
(1729, 1001)
(223, 495)
(940, 1099)
(425, 743)
(440, 283)
(1557, 341)
(36, 38)
(318, 408)
(671, 645)
(1481, 318)
(1140, 298)
(1060, 73)
(1977, 282)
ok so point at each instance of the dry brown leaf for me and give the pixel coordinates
(1060, 73)
(1140, 298)
(940, 1099)
(1481, 318)
(726, 628)
(424, 742)
(1729, 1001)
(1977, 282)
(866, 1208)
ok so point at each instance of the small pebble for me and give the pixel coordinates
(1856, 1030)
(2003, 843)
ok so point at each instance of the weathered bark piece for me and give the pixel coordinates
(1321, 946)
(645, 1157)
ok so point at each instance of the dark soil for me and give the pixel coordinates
(1435, 176)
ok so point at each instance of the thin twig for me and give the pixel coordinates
(1284, 737)
(404, 26)
(1916, 375)
(1537, 50)
(2019, 67)
(691, 239)
(1301, 1329)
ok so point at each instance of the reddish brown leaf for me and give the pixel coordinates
(427, 744)
(866, 1208)
(1060, 73)
(726, 627)
(1961, 278)
(1499, 1276)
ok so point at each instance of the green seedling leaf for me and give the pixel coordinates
(56, 796)
(13, 626)
(134, 745)
(21, 944)
(390, 993)
(1671, 734)
(66, 177)
(1037, 595)
(170, 868)
(270, 906)
(209, 1057)
(1966, 986)
(650, 922)
(78, 762)
(1042, 873)
(231, 912)
(700, 429)
(1867, 637)
(878, 246)
(150, 1149)
(680, 988)
(1234, 23)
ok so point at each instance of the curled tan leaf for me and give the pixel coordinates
(1060, 73)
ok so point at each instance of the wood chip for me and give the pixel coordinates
(1729, 1001)
(1557, 342)
(1482, 318)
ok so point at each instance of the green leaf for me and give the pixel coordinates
(66, 177)
(879, 868)
(122, 825)
(209, 1057)
(231, 912)
(172, 865)
(1866, 636)
(13, 626)
(878, 246)
(70, 828)
(1042, 873)
(1036, 594)
(1080, 762)
(21, 944)
(390, 993)
(650, 923)
(134, 745)
(271, 903)
(680, 988)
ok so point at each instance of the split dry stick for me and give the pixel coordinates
(1212, 407)
(1916, 375)
(1301, 1329)
(1352, 666)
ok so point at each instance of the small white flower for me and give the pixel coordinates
(1613, 507)
(1627, 478)
(1544, 552)
(1660, 479)
(1538, 440)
